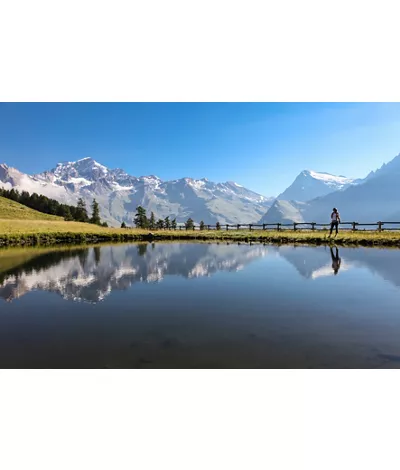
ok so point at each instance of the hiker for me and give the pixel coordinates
(335, 221)
(336, 261)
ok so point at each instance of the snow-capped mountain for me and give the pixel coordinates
(308, 185)
(369, 200)
(118, 193)
(376, 198)
(311, 184)
(12, 178)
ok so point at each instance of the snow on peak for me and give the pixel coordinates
(86, 168)
(198, 184)
(328, 178)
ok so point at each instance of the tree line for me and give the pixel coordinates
(38, 202)
(142, 221)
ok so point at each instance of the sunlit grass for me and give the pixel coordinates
(13, 210)
(14, 232)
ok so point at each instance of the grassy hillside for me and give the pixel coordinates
(12, 210)
(28, 232)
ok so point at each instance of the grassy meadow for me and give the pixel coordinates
(13, 210)
(20, 232)
(20, 225)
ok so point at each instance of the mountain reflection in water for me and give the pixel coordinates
(91, 274)
(199, 305)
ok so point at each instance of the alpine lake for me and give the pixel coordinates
(199, 305)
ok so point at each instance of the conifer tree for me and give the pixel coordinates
(189, 224)
(95, 213)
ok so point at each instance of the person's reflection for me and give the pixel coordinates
(336, 260)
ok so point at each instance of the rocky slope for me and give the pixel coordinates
(369, 200)
(119, 194)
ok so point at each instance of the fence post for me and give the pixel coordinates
(278, 227)
(250, 227)
(238, 226)
(380, 226)
(263, 226)
(194, 227)
(354, 226)
(227, 226)
(294, 226)
(312, 225)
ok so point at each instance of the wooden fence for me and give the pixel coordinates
(350, 226)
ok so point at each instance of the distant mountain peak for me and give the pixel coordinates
(233, 183)
(310, 184)
(328, 177)
(119, 193)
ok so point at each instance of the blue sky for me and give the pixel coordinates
(262, 146)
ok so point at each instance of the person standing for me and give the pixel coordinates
(335, 221)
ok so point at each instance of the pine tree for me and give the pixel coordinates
(189, 224)
(202, 225)
(167, 223)
(140, 219)
(95, 213)
(218, 226)
(152, 222)
(81, 211)
(123, 225)
(160, 224)
(67, 213)
(173, 224)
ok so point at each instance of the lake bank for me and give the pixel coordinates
(31, 233)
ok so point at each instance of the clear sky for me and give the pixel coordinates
(262, 146)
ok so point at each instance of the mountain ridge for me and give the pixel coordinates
(119, 193)
(310, 184)
(372, 199)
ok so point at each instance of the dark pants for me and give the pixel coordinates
(336, 225)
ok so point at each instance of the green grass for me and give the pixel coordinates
(365, 238)
(14, 210)
(24, 232)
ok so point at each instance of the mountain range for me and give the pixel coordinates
(368, 200)
(118, 193)
(310, 198)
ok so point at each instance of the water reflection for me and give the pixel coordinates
(91, 274)
(199, 305)
(312, 263)
(336, 260)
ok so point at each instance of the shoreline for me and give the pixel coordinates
(361, 238)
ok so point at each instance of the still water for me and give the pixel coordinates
(196, 305)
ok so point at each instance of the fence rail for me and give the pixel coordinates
(351, 226)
